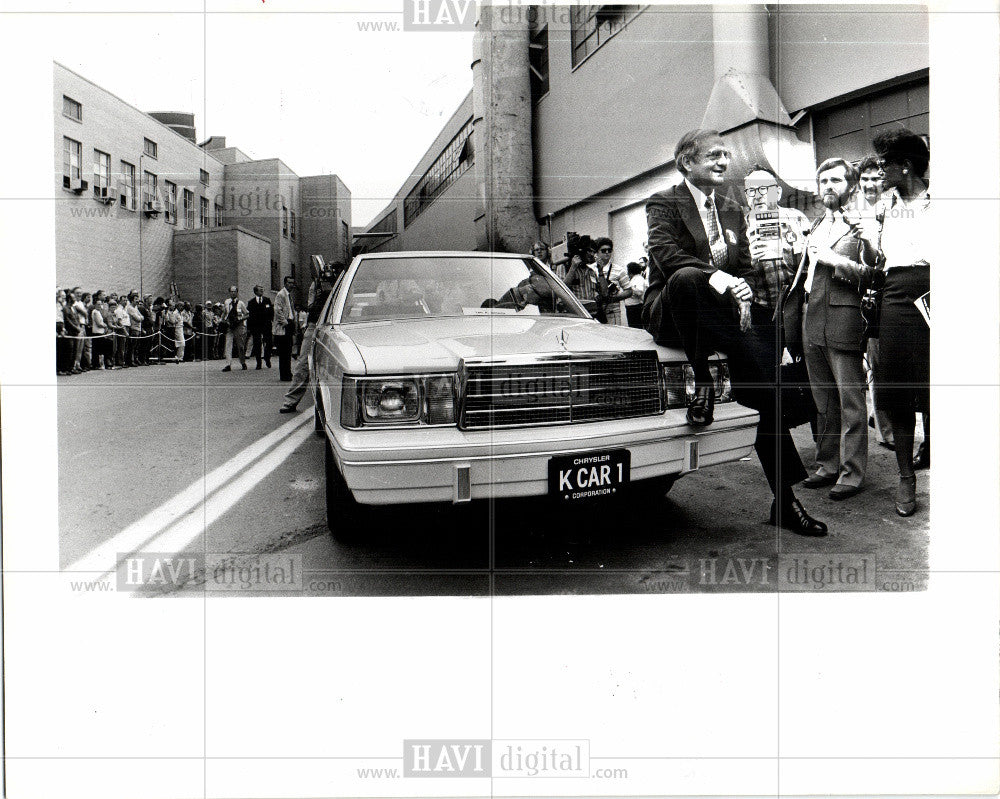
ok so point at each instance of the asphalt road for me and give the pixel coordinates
(184, 460)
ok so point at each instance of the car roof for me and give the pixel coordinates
(443, 254)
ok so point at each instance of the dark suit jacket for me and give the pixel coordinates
(834, 313)
(677, 239)
(261, 313)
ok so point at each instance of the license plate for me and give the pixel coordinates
(590, 474)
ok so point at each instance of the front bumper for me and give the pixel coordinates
(385, 467)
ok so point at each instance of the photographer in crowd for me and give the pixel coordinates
(612, 282)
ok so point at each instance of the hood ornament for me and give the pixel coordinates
(562, 339)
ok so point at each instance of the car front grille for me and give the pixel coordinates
(555, 390)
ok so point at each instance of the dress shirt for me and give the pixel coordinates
(907, 230)
(718, 282)
(829, 230)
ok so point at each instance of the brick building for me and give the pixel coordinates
(139, 204)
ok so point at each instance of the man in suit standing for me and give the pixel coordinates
(235, 313)
(259, 325)
(284, 328)
(698, 298)
(827, 291)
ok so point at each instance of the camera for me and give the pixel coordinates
(578, 245)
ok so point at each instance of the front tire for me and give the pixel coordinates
(319, 418)
(342, 510)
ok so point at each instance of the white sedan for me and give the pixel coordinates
(450, 376)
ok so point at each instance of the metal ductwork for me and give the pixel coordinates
(745, 107)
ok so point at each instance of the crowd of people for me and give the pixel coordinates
(590, 271)
(107, 331)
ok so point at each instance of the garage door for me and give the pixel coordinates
(628, 232)
(847, 130)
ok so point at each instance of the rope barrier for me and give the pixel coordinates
(136, 338)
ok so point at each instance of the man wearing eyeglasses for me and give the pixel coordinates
(612, 281)
(699, 262)
(777, 240)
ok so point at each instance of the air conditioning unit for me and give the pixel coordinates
(106, 195)
(152, 207)
(78, 185)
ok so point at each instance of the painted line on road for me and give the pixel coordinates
(104, 558)
(180, 535)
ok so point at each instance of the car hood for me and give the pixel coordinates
(439, 344)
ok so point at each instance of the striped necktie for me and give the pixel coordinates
(716, 243)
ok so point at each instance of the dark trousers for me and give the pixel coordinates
(633, 314)
(701, 321)
(261, 345)
(284, 344)
(64, 351)
(144, 346)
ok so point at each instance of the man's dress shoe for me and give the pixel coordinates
(819, 480)
(840, 491)
(795, 518)
(701, 411)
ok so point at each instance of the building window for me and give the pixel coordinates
(72, 162)
(284, 222)
(203, 218)
(592, 25)
(203, 175)
(275, 277)
(149, 193)
(454, 160)
(291, 225)
(170, 192)
(149, 147)
(188, 209)
(102, 175)
(127, 192)
(72, 109)
(538, 64)
(218, 215)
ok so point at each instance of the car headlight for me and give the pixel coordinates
(409, 400)
(678, 380)
(390, 401)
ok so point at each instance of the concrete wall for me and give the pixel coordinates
(824, 52)
(208, 262)
(325, 203)
(97, 245)
(620, 112)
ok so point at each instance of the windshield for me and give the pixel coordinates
(405, 288)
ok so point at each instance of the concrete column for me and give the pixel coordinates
(740, 39)
(502, 130)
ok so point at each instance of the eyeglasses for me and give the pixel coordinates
(760, 191)
(605, 249)
(717, 154)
